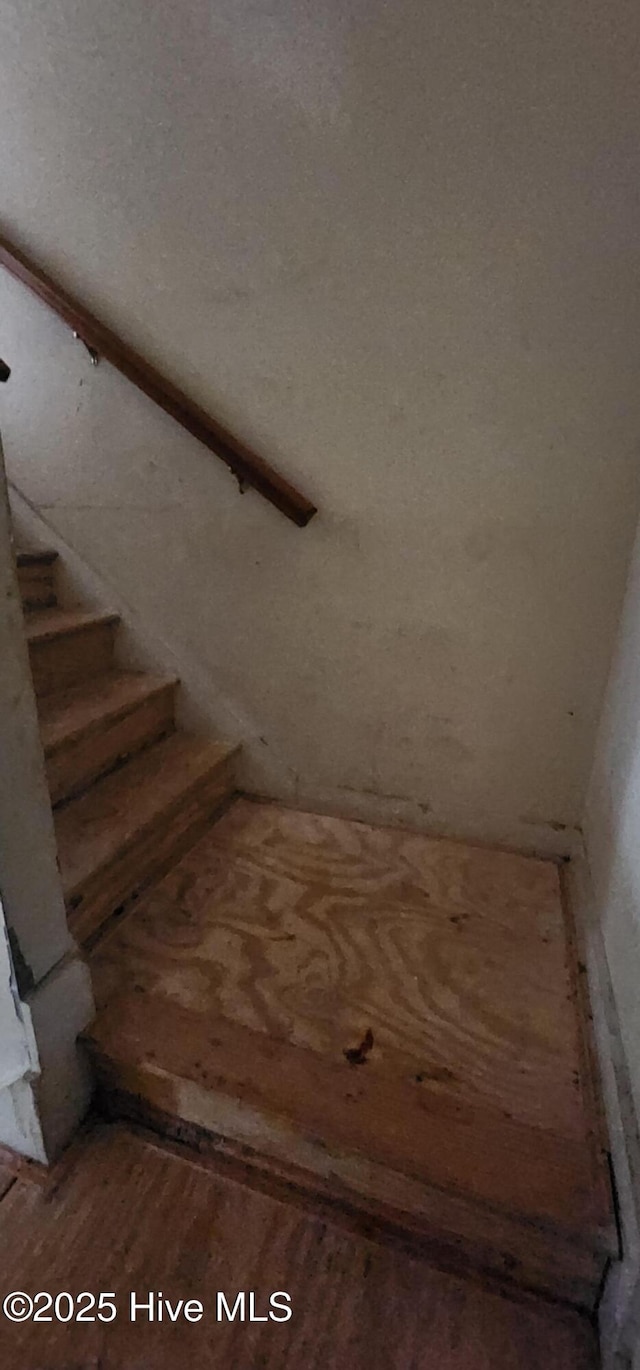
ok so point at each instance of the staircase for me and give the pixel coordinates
(390, 1027)
(129, 792)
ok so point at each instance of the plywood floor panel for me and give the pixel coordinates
(373, 1000)
(420, 1133)
(315, 929)
(127, 1215)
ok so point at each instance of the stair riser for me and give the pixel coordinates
(75, 765)
(37, 586)
(450, 1231)
(150, 855)
(65, 660)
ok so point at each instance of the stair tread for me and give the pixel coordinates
(46, 624)
(69, 714)
(92, 829)
(44, 557)
(440, 1141)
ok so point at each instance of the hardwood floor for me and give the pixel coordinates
(382, 1016)
(121, 1214)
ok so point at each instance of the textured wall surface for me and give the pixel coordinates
(395, 246)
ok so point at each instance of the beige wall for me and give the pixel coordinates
(396, 247)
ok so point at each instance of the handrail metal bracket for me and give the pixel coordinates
(95, 357)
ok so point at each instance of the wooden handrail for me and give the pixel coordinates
(249, 468)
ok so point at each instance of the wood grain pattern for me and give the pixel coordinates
(312, 929)
(88, 730)
(513, 1202)
(127, 1215)
(282, 940)
(452, 1232)
(106, 819)
(67, 646)
(132, 824)
(426, 1135)
(250, 468)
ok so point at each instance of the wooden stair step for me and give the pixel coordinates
(515, 1201)
(36, 578)
(90, 728)
(131, 825)
(67, 646)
